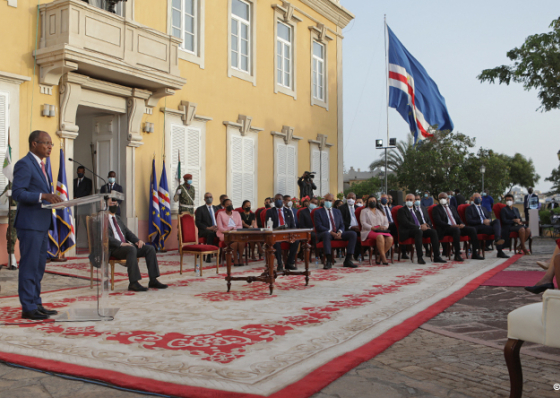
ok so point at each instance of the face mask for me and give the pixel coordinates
(425, 195)
(80, 175)
(112, 180)
(208, 201)
(443, 202)
(359, 204)
(113, 209)
(267, 206)
(328, 204)
(247, 209)
(290, 203)
(477, 201)
(417, 203)
(278, 203)
(530, 191)
(351, 202)
(372, 205)
(384, 201)
(189, 182)
(509, 202)
(312, 206)
(409, 203)
(229, 208)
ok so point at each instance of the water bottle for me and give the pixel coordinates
(316, 262)
(269, 224)
(197, 270)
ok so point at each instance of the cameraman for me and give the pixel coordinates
(306, 184)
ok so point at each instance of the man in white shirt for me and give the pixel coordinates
(386, 208)
(205, 218)
(348, 211)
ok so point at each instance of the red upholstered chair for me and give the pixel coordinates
(410, 241)
(482, 238)
(448, 240)
(371, 244)
(188, 242)
(335, 244)
(258, 215)
(512, 235)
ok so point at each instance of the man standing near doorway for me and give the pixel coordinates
(31, 189)
(82, 187)
(112, 186)
(185, 195)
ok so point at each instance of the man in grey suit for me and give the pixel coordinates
(124, 245)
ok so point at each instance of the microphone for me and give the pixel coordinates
(91, 171)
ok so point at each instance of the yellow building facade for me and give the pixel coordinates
(247, 92)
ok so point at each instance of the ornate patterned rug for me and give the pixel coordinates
(196, 340)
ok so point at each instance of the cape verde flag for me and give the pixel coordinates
(164, 207)
(413, 93)
(154, 226)
(52, 249)
(66, 237)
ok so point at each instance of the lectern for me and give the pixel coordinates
(96, 307)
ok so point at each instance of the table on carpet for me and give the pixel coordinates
(269, 238)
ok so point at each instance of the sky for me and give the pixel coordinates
(454, 41)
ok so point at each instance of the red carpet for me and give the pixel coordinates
(515, 278)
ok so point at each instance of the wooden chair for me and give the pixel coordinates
(188, 243)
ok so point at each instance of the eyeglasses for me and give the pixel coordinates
(45, 143)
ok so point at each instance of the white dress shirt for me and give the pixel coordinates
(387, 212)
(211, 211)
(112, 221)
(480, 213)
(353, 221)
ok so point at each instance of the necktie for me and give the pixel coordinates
(450, 215)
(116, 225)
(44, 171)
(414, 216)
(388, 214)
(481, 214)
(79, 181)
(332, 220)
(281, 217)
(212, 215)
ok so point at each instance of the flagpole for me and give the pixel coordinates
(387, 93)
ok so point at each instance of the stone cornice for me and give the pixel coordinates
(331, 10)
(13, 78)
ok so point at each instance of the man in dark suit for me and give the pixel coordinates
(460, 198)
(205, 218)
(530, 197)
(451, 200)
(329, 225)
(124, 245)
(348, 211)
(479, 218)
(82, 187)
(448, 223)
(304, 216)
(222, 198)
(267, 202)
(289, 204)
(112, 186)
(31, 189)
(413, 224)
(282, 216)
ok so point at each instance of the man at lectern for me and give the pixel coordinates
(124, 245)
(31, 189)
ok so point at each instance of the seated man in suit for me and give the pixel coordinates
(304, 217)
(112, 186)
(330, 226)
(448, 223)
(479, 218)
(282, 216)
(124, 245)
(289, 204)
(348, 211)
(413, 224)
(222, 198)
(511, 222)
(424, 217)
(205, 218)
(386, 208)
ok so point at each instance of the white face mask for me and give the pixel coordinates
(359, 204)
(443, 202)
(509, 203)
(409, 203)
(290, 204)
(350, 202)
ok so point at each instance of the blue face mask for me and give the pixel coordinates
(425, 195)
(279, 203)
(312, 206)
(417, 203)
(189, 182)
(477, 201)
(328, 204)
(112, 180)
(384, 201)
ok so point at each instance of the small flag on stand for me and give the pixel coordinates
(164, 206)
(52, 249)
(154, 227)
(66, 233)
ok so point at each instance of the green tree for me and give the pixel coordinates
(555, 180)
(522, 172)
(496, 177)
(536, 64)
(395, 157)
(367, 187)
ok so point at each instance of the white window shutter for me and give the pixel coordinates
(178, 145)
(248, 171)
(4, 139)
(324, 173)
(316, 168)
(281, 169)
(291, 171)
(237, 170)
(192, 163)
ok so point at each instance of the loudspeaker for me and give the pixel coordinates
(398, 198)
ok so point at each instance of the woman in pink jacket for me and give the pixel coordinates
(229, 220)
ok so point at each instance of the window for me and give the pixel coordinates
(242, 160)
(119, 9)
(240, 35)
(186, 141)
(320, 165)
(318, 75)
(184, 23)
(4, 100)
(284, 55)
(286, 169)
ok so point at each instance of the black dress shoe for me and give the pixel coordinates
(476, 257)
(349, 264)
(45, 311)
(458, 258)
(501, 254)
(155, 284)
(209, 258)
(438, 259)
(421, 260)
(35, 315)
(12, 268)
(404, 256)
(328, 265)
(539, 288)
(137, 287)
(238, 265)
(488, 249)
(291, 267)
(280, 268)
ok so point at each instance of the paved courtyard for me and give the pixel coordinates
(456, 354)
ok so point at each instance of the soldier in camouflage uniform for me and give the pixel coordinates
(11, 233)
(185, 195)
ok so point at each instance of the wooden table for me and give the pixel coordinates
(269, 238)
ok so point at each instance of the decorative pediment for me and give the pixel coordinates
(244, 125)
(287, 11)
(322, 32)
(187, 113)
(287, 134)
(321, 141)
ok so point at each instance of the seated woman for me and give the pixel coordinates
(249, 221)
(229, 220)
(547, 281)
(375, 226)
(511, 222)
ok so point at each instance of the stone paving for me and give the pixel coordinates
(457, 354)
